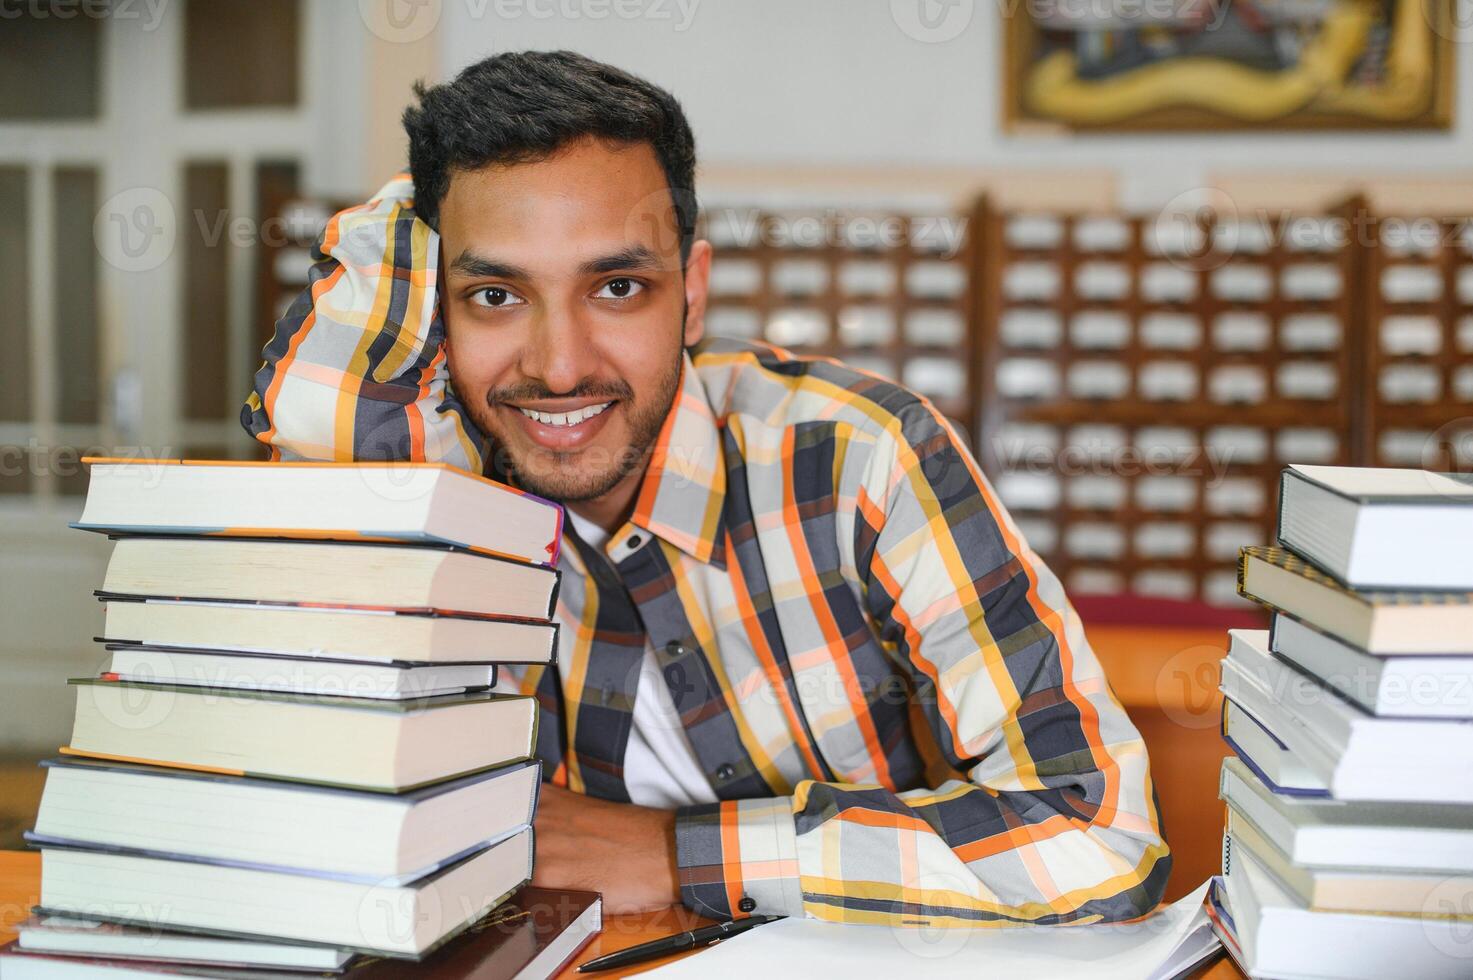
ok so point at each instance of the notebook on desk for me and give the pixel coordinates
(1163, 946)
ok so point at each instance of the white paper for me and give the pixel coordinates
(1152, 949)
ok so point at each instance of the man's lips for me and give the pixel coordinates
(561, 425)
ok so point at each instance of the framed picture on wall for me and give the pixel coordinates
(1228, 64)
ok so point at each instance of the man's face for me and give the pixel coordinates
(567, 311)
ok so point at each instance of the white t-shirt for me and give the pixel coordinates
(660, 767)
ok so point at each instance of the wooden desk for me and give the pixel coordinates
(20, 889)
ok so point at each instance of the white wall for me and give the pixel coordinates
(838, 82)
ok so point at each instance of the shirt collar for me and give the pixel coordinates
(683, 494)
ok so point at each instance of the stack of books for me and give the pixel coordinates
(1348, 849)
(293, 754)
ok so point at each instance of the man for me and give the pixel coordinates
(808, 664)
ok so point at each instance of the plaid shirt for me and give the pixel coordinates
(891, 696)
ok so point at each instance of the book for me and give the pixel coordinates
(1218, 913)
(90, 938)
(356, 742)
(264, 672)
(366, 915)
(238, 820)
(1381, 623)
(530, 937)
(1380, 528)
(1271, 933)
(426, 502)
(1357, 755)
(1266, 755)
(1408, 687)
(330, 574)
(1382, 892)
(293, 630)
(1331, 833)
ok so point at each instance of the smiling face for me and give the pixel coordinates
(567, 310)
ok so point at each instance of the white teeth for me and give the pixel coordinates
(565, 418)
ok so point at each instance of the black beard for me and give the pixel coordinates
(542, 473)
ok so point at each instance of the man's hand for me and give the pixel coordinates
(627, 852)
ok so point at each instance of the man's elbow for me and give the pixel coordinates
(1141, 891)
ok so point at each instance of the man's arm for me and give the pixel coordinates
(356, 369)
(623, 851)
(1052, 818)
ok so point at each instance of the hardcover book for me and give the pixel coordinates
(1357, 755)
(306, 630)
(1429, 686)
(1375, 528)
(1273, 933)
(365, 743)
(425, 502)
(330, 573)
(285, 824)
(530, 937)
(147, 663)
(1381, 623)
(403, 920)
(141, 948)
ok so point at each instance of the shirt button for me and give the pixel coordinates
(675, 648)
(635, 541)
(725, 771)
(747, 904)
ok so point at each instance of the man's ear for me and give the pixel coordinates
(697, 282)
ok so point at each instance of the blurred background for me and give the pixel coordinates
(1143, 252)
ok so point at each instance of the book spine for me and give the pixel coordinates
(557, 584)
(1279, 517)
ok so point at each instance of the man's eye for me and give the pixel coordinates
(495, 297)
(620, 289)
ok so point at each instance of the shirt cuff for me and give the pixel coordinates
(738, 858)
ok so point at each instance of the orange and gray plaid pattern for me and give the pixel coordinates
(893, 700)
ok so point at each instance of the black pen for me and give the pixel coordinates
(706, 936)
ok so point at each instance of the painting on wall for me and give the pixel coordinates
(1228, 64)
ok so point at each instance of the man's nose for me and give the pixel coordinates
(559, 351)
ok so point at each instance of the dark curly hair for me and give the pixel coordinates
(523, 106)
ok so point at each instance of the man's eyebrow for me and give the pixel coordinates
(468, 263)
(634, 257)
